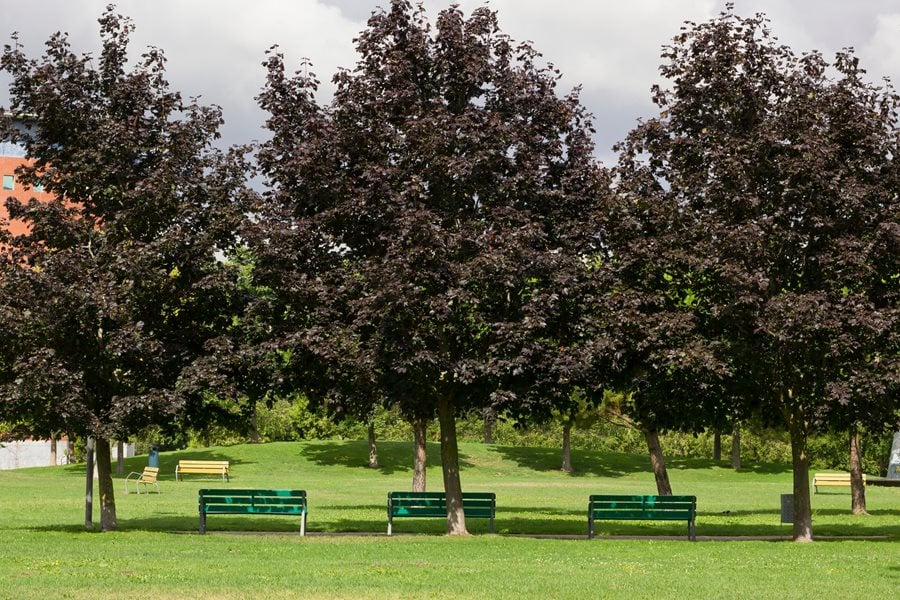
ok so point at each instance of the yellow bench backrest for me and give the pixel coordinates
(825, 478)
(216, 464)
(149, 475)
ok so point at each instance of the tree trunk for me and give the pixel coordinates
(803, 531)
(567, 448)
(857, 489)
(420, 453)
(717, 445)
(89, 484)
(120, 458)
(736, 446)
(53, 450)
(456, 519)
(105, 486)
(663, 488)
(489, 426)
(70, 449)
(373, 448)
(254, 425)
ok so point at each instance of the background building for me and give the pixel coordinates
(22, 453)
(12, 155)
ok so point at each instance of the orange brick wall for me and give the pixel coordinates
(8, 166)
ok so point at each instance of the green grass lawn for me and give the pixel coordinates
(45, 551)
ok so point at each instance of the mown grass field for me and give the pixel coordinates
(45, 551)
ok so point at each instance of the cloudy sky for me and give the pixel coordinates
(215, 48)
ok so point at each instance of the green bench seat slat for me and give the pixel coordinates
(612, 507)
(648, 515)
(484, 513)
(643, 499)
(425, 502)
(253, 501)
(258, 495)
(263, 509)
(406, 511)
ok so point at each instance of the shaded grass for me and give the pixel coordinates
(45, 551)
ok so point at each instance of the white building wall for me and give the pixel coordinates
(36, 453)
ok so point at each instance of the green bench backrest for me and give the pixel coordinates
(642, 507)
(216, 501)
(434, 504)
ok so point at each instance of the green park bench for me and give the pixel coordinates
(643, 508)
(252, 502)
(434, 504)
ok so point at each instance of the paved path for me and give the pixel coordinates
(541, 536)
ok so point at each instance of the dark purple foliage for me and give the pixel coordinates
(116, 289)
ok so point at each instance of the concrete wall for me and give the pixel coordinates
(893, 471)
(36, 453)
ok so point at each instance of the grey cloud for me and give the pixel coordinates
(215, 47)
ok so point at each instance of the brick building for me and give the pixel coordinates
(11, 156)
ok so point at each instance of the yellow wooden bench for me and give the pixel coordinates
(833, 480)
(202, 467)
(145, 478)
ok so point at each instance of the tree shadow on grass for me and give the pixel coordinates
(167, 463)
(763, 468)
(157, 523)
(825, 512)
(682, 462)
(162, 523)
(401, 526)
(846, 512)
(696, 464)
(738, 513)
(503, 509)
(393, 457)
(570, 523)
(585, 462)
(613, 464)
(716, 523)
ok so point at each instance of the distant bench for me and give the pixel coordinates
(253, 502)
(146, 477)
(832, 479)
(202, 467)
(434, 504)
(643, 508)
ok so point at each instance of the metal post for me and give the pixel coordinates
(89, 486)
(120, 458)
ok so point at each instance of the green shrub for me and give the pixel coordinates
(290, 419)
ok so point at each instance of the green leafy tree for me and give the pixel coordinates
(115, 289)
(423, 222)
(778, 174)
(664, 370)
(580, 413)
